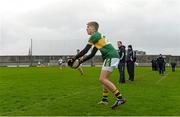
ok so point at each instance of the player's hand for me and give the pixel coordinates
(70, 62)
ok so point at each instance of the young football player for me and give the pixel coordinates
(111, 60)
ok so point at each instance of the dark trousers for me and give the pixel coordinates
(164, 67)
(153, 67)
(161, 69)
(121, 68)
(157, 67)
(130, 69)
(173, 69)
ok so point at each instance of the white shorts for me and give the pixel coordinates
(62, 64)
(110, 64)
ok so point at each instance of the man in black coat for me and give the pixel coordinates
(153, 64)
(173, 65)
(157, 67)
(121, 65)
(131, 59)
(161, 62)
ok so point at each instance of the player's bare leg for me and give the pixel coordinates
(104, 79)
(63, 66)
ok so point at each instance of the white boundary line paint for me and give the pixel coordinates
(162, 78)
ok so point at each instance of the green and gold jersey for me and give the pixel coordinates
(105, 47)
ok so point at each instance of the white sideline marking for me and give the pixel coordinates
(161, 79)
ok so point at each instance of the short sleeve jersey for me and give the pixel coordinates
(105, 47)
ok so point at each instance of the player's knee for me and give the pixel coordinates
(102, 80)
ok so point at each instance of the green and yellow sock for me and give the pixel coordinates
(117, 94)
(105, 95)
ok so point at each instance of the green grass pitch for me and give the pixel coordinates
(51, 91)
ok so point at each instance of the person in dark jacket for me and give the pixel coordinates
(164, 65)
(161, 62)
(157, 67)
(131, 59)
(153, 64)
(173, 65)
(121, 65)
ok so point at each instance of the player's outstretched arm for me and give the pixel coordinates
(90, 55)
(83, 52)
